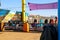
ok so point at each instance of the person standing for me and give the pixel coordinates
(49, 32)
(56, 23)
(41, 24)
(34, 25)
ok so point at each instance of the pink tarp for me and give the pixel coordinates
(33, 6)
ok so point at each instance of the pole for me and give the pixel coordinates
(23, 11)
(25, 25)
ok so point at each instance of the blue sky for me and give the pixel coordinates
(16, 5)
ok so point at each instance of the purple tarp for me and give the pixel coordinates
(33, 6)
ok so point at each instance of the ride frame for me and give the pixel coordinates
(25, 23)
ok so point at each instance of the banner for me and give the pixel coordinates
(33, 6)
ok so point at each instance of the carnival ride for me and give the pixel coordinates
(25, 23)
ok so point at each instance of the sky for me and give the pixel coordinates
(16, 5)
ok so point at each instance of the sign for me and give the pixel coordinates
(33, 6)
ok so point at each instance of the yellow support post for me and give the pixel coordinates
(23, 10)
(1, 23)
(2, 26)
(25, 25)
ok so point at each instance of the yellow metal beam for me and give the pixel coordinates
(25, 25)
(23, 11)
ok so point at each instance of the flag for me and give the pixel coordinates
(33, 6)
